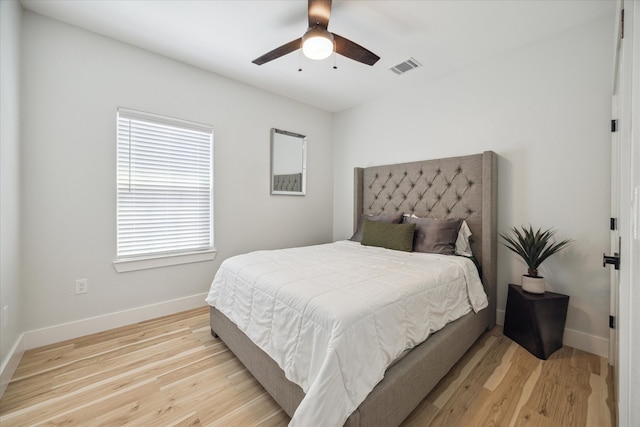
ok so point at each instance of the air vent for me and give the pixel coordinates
(405, 66)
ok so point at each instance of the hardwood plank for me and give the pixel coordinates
(456, 410)
(531, 418)
(599, 413)
(527, 389)
(500, 371)
(249, 413)
(611, 402)
(562, 392)
(191, 421)
(461, 374)
(202, 362)
(170, 371)
(499, 406)
(117, 372)
(112, 409)
(492, 360)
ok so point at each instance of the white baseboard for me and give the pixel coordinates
(10, 364)
(79, 328)
(589, 343)
(576, 339)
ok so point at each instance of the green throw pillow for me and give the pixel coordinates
(395, 218)
(390, 236)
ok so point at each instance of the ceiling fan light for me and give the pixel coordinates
(317, 44)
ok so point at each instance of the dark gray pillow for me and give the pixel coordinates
(436, 236)
(391, 236)
(395, 218)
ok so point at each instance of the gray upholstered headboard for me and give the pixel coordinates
(456, 187)
(290, 182)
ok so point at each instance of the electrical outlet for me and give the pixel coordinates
(81, 286)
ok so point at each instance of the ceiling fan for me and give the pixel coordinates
(318, 43)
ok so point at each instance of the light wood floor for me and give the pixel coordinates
(172, 372)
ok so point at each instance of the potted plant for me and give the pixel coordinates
(533, 247)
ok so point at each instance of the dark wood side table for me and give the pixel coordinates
(536, 321)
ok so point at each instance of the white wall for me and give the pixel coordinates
(73, 81)
(10, 291)
(545, 110)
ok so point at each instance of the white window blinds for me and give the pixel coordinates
(165, 192)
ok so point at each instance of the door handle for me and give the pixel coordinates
(614, 260)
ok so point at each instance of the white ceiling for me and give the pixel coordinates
(225, 36)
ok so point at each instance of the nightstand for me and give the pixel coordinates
(536, 321)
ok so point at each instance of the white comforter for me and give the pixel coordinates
(335, 316)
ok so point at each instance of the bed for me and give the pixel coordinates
(459, 187)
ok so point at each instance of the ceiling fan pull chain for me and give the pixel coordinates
(335, 67)
(300, 62)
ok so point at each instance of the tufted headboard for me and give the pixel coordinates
(455, 187)
(290, 182)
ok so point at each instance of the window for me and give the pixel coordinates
(164, 186)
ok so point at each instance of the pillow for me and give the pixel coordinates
(463, 247)
(390, 236)
(395, 218)
(463, 244)
(436, 236)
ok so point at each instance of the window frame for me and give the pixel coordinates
(123, 263)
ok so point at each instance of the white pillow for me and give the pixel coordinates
(462, 243)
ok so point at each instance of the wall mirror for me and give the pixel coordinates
(288, 163)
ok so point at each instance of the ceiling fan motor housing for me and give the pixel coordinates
(317, 43)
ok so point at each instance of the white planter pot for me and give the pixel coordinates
(533, 285)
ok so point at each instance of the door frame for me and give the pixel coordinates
(628, 322)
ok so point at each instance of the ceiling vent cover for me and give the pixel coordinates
(405, 66)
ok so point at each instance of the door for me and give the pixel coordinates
(614, 248)
(625, 186)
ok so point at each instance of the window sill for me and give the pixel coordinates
(125, 265)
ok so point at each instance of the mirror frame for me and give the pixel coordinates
(303, 141)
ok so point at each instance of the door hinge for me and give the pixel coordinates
(613, 224)
(622, 24)
(612, 322)
(614, 125)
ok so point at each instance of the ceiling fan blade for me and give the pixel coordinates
(319, 12)
(346, 47)
(278, 52)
